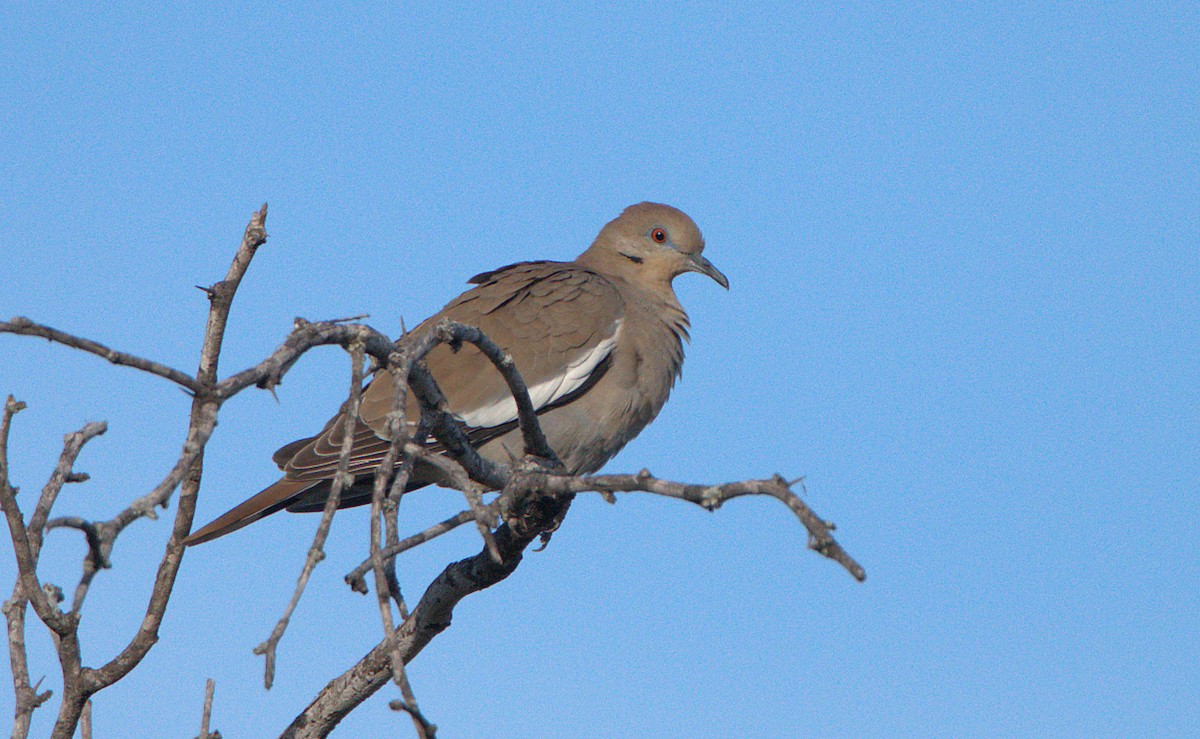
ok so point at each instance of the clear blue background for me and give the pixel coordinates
(964, 247)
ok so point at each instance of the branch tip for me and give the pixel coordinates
(12, 406)
(348, 319)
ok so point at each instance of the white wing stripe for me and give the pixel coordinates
(547, 392)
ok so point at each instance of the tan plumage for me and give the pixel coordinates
(598, 341)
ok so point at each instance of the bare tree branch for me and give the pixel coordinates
(712, 497)
(386, 587)
(316, 552)
(43, 597)
(63, 473)
(26, 546)
(100, 539)
(534, 497)
(355, 577)
(27, 698)
(528, 519)
(25, 327)
(201, 424)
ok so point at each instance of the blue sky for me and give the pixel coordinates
(964, 247)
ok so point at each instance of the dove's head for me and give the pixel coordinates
(651, 243)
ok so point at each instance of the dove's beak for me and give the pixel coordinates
(697, 263)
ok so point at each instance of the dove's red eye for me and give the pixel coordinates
(659, 235)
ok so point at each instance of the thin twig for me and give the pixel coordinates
(485, 518)
(100, 538)
(425, 730)
(63, 473)
(712, 497)
(397, 428)
(26, 554)
(304, 336)
(27, 699)
(354, 578)
(202, 421)
(390, 508)
(446, 429)
(12, 407)
(527, 520)
(316, 552)
(25, 327)
(210, 687)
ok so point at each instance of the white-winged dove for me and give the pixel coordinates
(598, 341)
